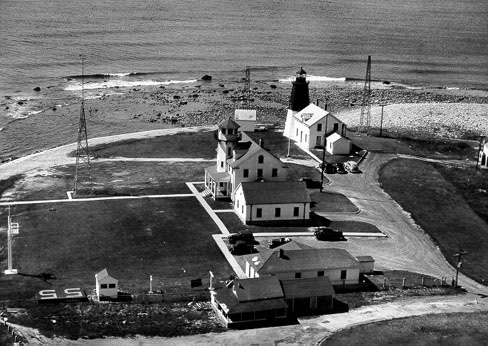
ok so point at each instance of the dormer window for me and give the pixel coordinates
(260, 159)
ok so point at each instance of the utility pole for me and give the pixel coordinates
(459, 263)
(323, 156)
(381, 121)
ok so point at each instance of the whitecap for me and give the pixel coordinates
(123, 84)
(315, 79)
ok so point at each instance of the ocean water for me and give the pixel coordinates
(440, 43)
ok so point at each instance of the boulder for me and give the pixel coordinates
(207, 77)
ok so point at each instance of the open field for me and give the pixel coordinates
(131, 238)
(442, 209)
(435, 329)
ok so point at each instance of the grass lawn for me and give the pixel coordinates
(442, 209)
(131, 238)
(186, 144)
(115, 179)
(326, 202)
(435, 329)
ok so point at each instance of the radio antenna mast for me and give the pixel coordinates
(248, 86)
(82, 152)
(366, 103)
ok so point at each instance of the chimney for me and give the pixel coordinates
(261, 142)
(281, 253)
(325, 108)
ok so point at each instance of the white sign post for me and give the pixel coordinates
(13, 229)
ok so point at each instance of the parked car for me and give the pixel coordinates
(241, 249)
(340, 168)
(272, 243)
(330, 168)
(243, 237)
(324, 233)
(351, 166)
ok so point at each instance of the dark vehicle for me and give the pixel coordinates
(340, 168)
(272, 243)
(324, 233)
(330, 168)
(244, 237)
(241, 249)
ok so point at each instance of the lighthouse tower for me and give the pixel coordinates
(300, 98)
(228, 137)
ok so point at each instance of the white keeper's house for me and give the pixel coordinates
(307, 123)
(240, 159)
(279, 201)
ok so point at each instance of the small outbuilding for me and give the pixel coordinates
(246, 118)
(366, 264)
(338, 145)
(106, 286)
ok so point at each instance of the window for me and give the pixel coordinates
(277, 212)
(260, 315)
(229, 151)
(103, 286)
(260, 159)
(260, 172)
(343, 274)
(305, 137)
(221, 164)
(296, 211)
(245, 173)
(297, 133)
(318, 140)
(298, 275)
(319, 127)
(237, 204)
(223, 131)
(336, 127)
(320, 273)
(313, 302)
(242, 209)
(111, 285)
(280, 312)
(248, 316)
(259, 212)
(274, 172)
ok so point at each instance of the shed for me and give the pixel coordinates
(106, 286)
(338, 145)
(366, 264)
(246, 118)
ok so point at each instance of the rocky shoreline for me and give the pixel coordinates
(117, 111)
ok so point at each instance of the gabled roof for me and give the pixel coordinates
(319, 286)
(267, 287)
(307, 259)
(264, 253)
(245, 115)
(335, 137)
(228, 124)
(102, 275)
(258, 294)
(275, 192)
(312, 114)
(253, 151)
